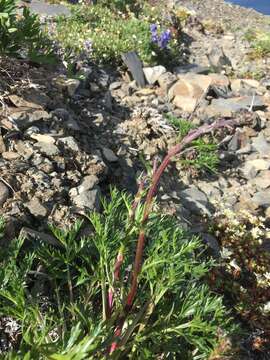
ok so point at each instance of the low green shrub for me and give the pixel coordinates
(66, 301)
(203, 154)
(22, 35)
(112, 33)
(260, 43)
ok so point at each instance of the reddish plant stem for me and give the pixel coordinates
(137, 199)
(193, 135)
(120, 256)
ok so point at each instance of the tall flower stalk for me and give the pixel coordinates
(176, 150)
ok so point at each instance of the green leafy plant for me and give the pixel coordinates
(111, 33)
(203, 152)
(22, 35)
(83, 298)
(121, 5)
(260, 43)
(67, 301)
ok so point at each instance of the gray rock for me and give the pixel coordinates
(36, 235)
(108, 101)
(195, 200)
(166, 80)
(32, 130)
(52, 10)
(250, 102)
(25, 119)
(226, 107)
(103, 79)
(10, 155)
(194, 68)
(262, 181)
(212, 242)
(235, 142)
(47, 148)
(69, 142)
(67, 119)
(115, 85)
(252, 167)
(217, 59)
(211, 190)
(262, 146)
(134, 64)
(266, 83)
(72, 86)
(262, 198)
(89, 199)
(4, 193)
(109, 155)
(36, 208)
(88, 183)
(152, 74)
(244, 86)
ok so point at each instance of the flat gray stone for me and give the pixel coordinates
(109, 155)
(252, 167)
(88, 183)
(46, 148)
(152, 74)
(212, 242)
(49, 10)
(69, 142)
(89, 199)
(226, 107)
(194, 68)
(195, 200)
(25, 119)
(262, 146)
(36, 208)
(262, 198)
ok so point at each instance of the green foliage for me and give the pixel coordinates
(260, 43)
(22, 35)
(111, 33)
(203, 154)
(121, 5)
(57, 296)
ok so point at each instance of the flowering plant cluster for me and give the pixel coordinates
(243, 272)
(163, 39)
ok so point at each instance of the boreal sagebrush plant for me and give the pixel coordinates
(81, 297)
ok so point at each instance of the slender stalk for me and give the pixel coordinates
(192, 135)
(120, 255)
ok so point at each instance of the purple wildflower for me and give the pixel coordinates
(164, 39)
(161, 40)
(154, 34)
(153, 28)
